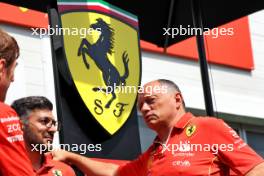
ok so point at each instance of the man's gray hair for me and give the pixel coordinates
(171, 86)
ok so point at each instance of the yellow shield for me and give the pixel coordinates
(190, 130)
(104, 60)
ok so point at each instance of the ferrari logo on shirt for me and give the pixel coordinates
(57, 172)
(190, 130)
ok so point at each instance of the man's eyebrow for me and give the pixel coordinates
(46, 117)
(150, 96)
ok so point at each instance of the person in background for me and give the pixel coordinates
(14, 160)
(39, 126)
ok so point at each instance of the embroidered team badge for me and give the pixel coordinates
(190, 130)
(57, 172)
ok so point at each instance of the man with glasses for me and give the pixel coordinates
(39, 126)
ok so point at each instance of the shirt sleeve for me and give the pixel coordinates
(232, 150)
(137, 167)
(14, 159)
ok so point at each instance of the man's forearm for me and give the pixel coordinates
(257, 170)
(92, 167)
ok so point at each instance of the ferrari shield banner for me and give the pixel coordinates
(101, 44)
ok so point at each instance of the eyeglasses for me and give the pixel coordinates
(49, 123)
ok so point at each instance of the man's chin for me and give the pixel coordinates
(47, 141)
(48, 144)
(152, 124)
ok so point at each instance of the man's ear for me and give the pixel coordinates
(22, 125)
(2, 66)
(178, 99)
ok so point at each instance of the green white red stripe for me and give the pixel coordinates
(97, 5)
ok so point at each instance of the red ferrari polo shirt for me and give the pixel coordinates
(14, 160)
(197, 146)
(51, 167)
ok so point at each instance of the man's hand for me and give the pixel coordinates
(86, 165)
(61, 155)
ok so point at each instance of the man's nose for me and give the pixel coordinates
(52, 129)
(12, 79)
(144, 108)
